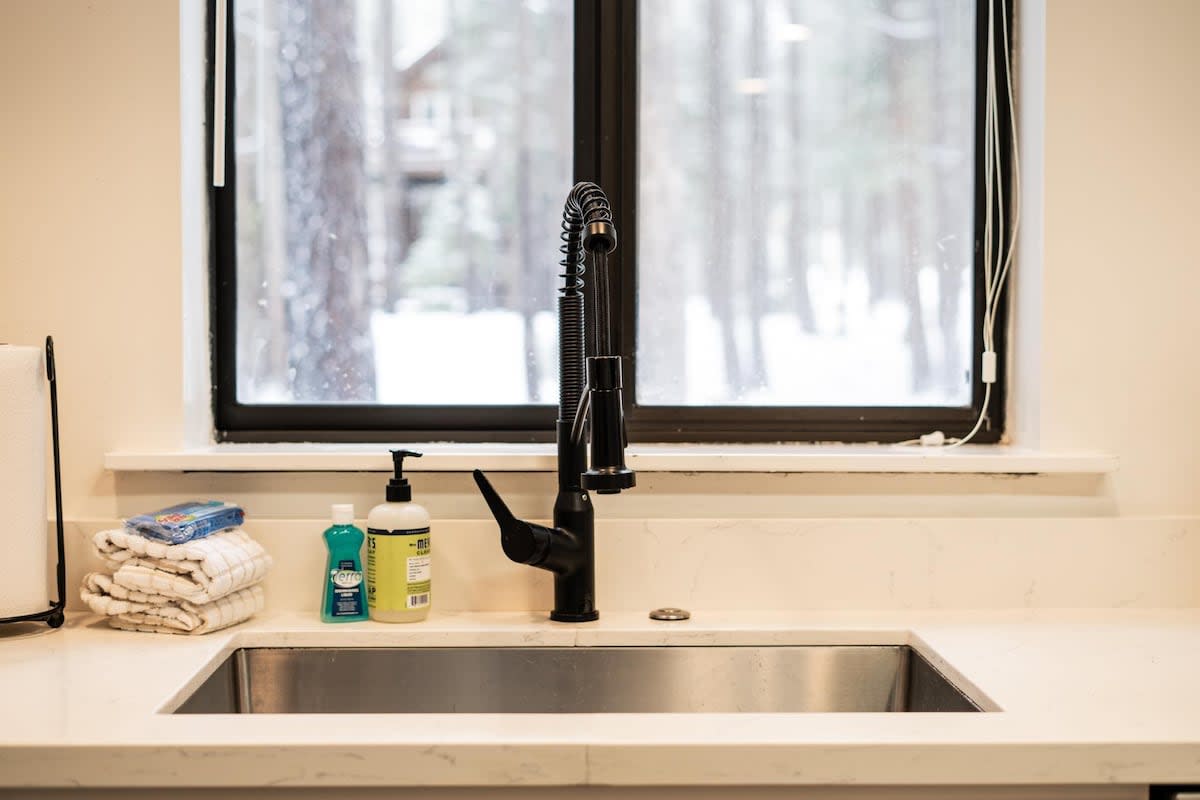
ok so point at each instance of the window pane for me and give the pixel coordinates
(401, 168)
(806, 202)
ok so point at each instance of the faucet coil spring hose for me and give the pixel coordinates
(587, 226)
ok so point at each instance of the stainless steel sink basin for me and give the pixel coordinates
(574, 680)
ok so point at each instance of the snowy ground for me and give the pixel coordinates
(858, 357)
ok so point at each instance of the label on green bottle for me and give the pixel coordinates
(398, 569)
(347, 589)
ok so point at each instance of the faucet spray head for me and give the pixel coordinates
(607, 473)
(600, 237)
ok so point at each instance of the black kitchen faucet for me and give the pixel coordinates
(585, 395)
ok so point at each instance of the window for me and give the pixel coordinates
(797, 187)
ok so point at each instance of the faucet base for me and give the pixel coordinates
(564, 616)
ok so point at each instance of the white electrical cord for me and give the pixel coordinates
(995, 270)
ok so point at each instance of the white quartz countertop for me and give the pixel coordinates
(1085, 696)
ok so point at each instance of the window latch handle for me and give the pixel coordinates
(219, 72)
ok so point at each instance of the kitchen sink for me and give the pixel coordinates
(575, 680)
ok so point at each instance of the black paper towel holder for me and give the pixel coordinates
(53, 616)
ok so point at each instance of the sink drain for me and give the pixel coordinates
(670, 614)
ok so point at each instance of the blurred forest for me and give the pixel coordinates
(805, 200)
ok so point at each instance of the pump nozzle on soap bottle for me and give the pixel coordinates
(398, 490)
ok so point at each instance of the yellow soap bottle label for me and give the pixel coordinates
(398, 569)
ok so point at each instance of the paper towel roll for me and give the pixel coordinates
(24, 584)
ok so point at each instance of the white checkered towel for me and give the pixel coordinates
(198, 571)
(137, 611)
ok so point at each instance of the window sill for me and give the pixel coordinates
(444, 457)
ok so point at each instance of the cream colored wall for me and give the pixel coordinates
(1122, 268)
(90, 250)
(90, 220)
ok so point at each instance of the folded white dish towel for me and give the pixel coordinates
(132, 610)
(198, 571)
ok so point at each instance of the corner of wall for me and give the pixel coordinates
(197, 423)
(1025, 332)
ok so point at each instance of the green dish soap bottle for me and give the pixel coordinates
(345, 597)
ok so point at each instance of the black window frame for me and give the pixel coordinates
(605, 117)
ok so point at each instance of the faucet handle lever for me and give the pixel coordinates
(523, 542)
(492, 497)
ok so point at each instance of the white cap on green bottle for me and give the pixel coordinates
(343, 513)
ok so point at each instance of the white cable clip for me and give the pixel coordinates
(935, 439)
(988, 367)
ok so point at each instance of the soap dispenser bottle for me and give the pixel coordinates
(344, 598)
(398, 552)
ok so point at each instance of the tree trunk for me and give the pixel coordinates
(663, 324)
(719, 274)
(875, 234)
(395, 181)
(955, 250)
(273, 369)
(528, 263)
(331, 353)
(799, 221)
(461, 177)
(852, 243)
(907, 209)
(759, 189)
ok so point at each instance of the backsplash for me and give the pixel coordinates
(782, 564)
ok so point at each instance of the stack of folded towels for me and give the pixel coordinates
(186, 569)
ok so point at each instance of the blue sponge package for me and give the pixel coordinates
(188, 521)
